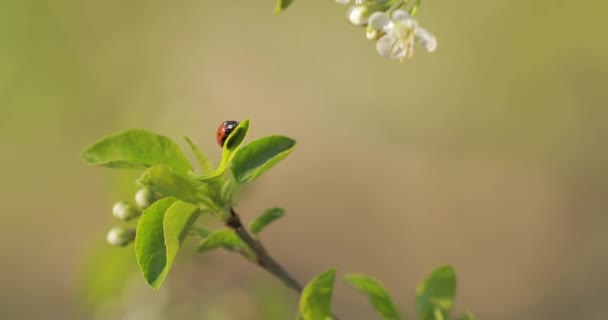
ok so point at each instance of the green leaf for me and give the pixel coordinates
(376, 293)
(160, 232)
(202, 160)
(150, 247)
(232, 144)
(282, 5)
(165, 181)
(136, 149)
(178, 220)
(226, 239)
(259, 156)
(265, 219)
(436, 292)
(200, 232)
(315, 301)
(466, 316)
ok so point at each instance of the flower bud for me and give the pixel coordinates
(124, 211)
(358, 15)
(370, 32)
(144, 198)
(120, 237)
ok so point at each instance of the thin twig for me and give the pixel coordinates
(264, 260)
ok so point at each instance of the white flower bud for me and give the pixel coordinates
(144, 198)
(358, 15)
(371, 33)
(120, 237)
(124, 211)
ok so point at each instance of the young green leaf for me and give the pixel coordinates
(436, 292)
(136, 149)
(376, 293)
(200, 232)
(202, 160)
(232, 144)
(282, 5)
(315, 301)
(226, 239)
(178, 220)
(259, 156)
(150, 249)
(165, 181)
(265, 219)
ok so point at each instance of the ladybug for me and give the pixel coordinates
(225, 130)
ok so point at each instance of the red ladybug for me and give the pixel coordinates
(225, 130)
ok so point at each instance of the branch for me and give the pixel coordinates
(263, 259)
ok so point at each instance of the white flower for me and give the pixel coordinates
(400, 34)
(377, 22)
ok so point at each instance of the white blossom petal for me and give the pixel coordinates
(403, 18)
(389, 46)
(426, 39)
(356, 15)
(380, 21)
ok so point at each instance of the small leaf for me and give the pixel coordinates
(265, 219)
(259, 156)
(466, 316)
(150, 247)
(436, 291)
(226, 239)
(236, 137)
(282, 5)
(315, 301)
(201, 232)
(136, 149)
(232, 144)
(376, 293)
(202, 160)
(165, 181)
(178, 220)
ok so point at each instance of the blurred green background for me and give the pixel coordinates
(488, 154)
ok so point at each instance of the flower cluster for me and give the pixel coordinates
(392, 27)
